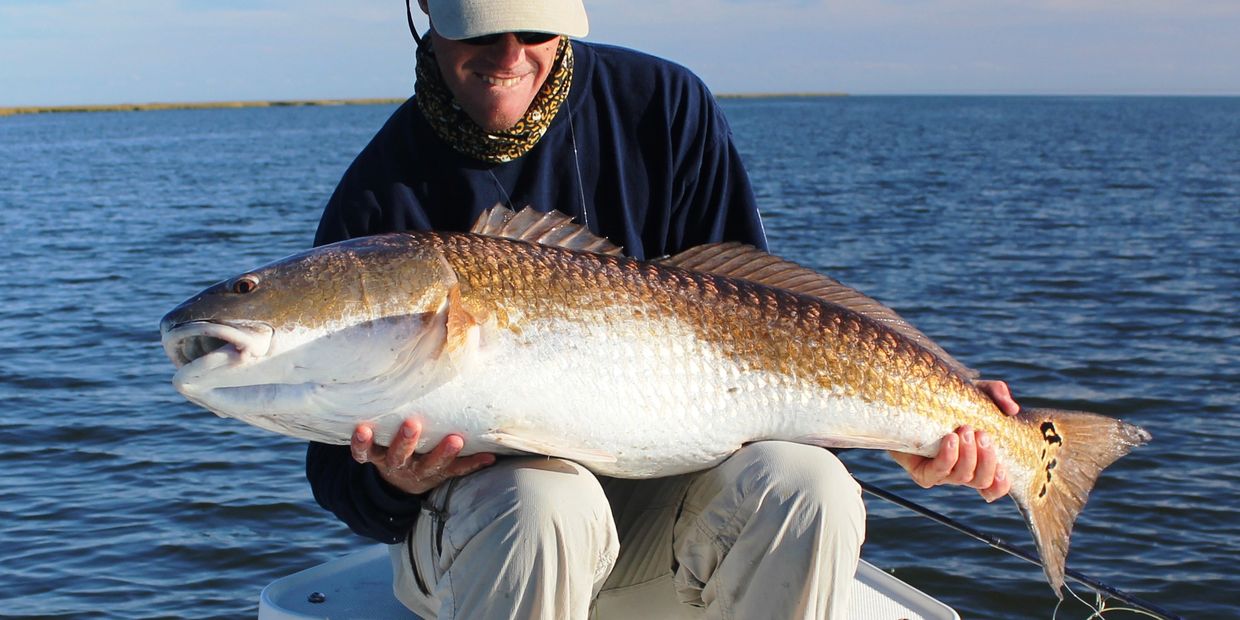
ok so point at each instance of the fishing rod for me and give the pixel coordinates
(1093, 584)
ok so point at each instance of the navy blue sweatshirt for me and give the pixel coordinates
(640, 147)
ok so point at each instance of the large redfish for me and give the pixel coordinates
(529, 335)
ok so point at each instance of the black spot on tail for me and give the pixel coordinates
(1049, 434)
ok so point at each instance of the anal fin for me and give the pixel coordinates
(858, 441)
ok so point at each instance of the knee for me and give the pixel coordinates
(558, 491)
(781, 506)
(807, 483)
(534, 530)
(531, 499)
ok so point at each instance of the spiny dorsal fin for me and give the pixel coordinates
(551, 228)
(737, 260)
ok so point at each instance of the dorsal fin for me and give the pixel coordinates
(737, 260)
(550, 228)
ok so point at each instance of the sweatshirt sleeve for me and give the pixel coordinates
(716, 201)
(723, 202)
(358, 496)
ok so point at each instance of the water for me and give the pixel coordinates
(1085, 250)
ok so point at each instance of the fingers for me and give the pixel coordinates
(998, 488)
(965, 457)
(404, 442)
(928, 472)
(469, 464)
(433, 464)
(990, 479)
(935, 471)
(999, 392)
(965, 468)
(986, 463)
(400, 466)
(979, 466)
(445, 461)
(362, 444)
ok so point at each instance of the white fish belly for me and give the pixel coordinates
(651, 395)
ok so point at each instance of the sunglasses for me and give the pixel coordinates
(526, 38)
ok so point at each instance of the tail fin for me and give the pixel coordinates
(1077, 446)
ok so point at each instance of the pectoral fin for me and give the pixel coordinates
(462, 330)
(548, 445)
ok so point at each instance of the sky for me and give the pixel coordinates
(76, 52)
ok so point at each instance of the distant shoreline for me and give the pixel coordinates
(203, 105)
(211, 105)
(777, 95)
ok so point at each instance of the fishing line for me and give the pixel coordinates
(502, 191)
(581, 189)
(1100, 606)
(1100, 588)
(581, 185)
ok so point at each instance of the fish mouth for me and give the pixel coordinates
(199, 341)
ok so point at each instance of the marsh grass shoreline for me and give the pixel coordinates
(209, 105)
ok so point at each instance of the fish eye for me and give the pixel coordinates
(245, 284)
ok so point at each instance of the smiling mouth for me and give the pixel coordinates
(501, 82)
(188, 342)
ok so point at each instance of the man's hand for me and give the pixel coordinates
(415, 473)
(966, 456)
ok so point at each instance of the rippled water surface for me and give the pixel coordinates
(1085, 250)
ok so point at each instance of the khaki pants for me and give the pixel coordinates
(773, 532)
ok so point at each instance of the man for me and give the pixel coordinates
(509, 110)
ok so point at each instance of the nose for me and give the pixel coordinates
(508, 51)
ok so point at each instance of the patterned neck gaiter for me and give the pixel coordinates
(452, 124)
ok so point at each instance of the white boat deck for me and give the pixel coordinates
(359, 586)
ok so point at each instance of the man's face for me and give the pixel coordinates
(494, 84)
